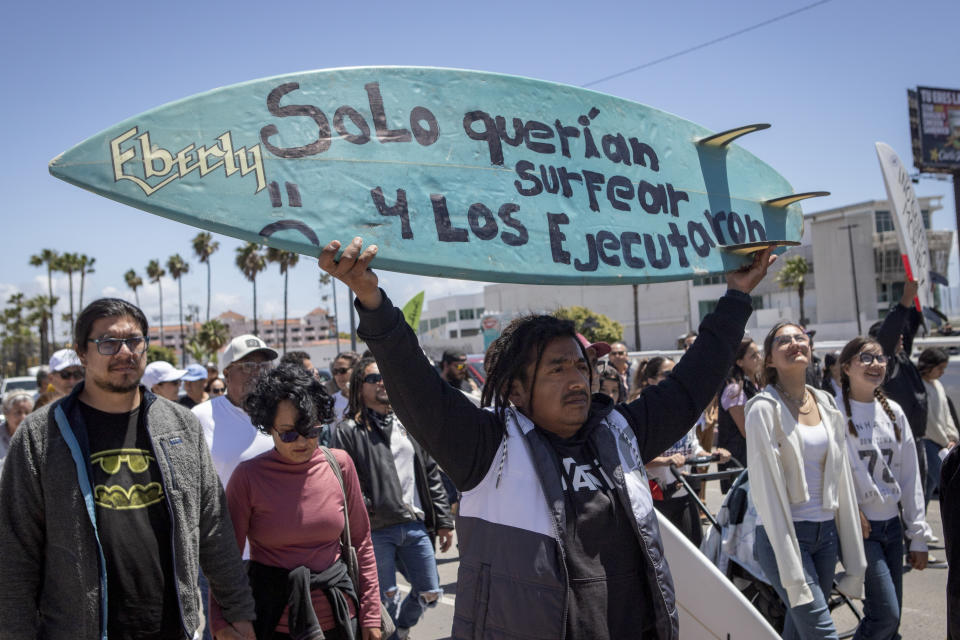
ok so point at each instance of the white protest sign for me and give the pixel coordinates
(907, 220)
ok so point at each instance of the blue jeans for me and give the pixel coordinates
(883, 584)
(406, 547)
(818, 552)
(932, 481)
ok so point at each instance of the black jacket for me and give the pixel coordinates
(370, 449)
(500, 575)
(904, 384)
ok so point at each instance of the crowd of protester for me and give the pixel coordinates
(843, 456)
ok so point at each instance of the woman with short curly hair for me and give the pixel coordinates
(288, 504)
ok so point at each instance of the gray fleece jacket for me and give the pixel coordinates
(51, 563)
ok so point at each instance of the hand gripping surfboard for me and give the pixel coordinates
(452, 173)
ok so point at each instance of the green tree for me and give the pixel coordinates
(213, 335)
(86, 267)
(156, 352)
(595, 327)
(134, 282)
(41, 314)
(251, 262)
(286, 260)
(17, 336)
(794, 275)
(70, 263)
(49, 258)
(155, 272)
(204, 246)
(177, 267)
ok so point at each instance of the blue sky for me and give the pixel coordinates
(831, 80)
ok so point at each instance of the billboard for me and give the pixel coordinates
(935, 129)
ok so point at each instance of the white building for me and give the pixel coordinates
(452, 322)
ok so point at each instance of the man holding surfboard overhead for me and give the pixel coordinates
(558, 536)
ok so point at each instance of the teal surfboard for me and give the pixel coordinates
(452, 173)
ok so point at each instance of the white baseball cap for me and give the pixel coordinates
(160, 371)
(242, 346)
(64, 359)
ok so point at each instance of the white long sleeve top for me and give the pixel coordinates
(940, 427)
(886, 474)
(775, 464)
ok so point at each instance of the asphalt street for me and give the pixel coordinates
(924, 601)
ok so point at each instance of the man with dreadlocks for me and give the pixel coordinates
(558, 536)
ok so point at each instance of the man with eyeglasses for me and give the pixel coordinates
(65, 371)
(108, 500)
(231, 436)
(405, 498)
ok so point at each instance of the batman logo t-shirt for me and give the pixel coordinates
(134, 527)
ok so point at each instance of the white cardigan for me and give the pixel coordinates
(775, 463)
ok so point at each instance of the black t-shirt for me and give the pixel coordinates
(187, 401)
(609, 594)
(134, 528)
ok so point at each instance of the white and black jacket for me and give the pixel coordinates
(369, 447)
(512, 581)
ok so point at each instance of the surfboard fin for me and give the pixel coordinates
(752, 247)
(724, 138)
(786, 201)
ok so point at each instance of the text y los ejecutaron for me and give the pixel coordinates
(629, 248)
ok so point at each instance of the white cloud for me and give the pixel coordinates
(7, 290)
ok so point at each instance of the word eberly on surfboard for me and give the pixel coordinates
(452, 173)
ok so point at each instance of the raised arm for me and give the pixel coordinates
(665, 412)
(895, 321)
(461, 437)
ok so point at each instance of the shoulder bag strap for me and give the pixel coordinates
(348, 553)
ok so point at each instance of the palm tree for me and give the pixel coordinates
(286, 260)
(212, 336)
(41, 311)
(48, 257)
(794, 274)
(251, 262)
(134, 282)
(204, 245)
(177, 267)
(69, 263)
(155, 272)
(86, 266)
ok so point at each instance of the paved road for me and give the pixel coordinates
(924, 607)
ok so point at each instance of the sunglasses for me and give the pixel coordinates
(217, 390)
(870, 358)
(459, 366)
(372, 378)
(76, 374)
(339, 371)
(292, 435)
(618, 353)
(111, 346)
(111, 460)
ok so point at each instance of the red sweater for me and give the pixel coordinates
(292, 515)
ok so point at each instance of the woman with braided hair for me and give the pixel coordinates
(886, 477)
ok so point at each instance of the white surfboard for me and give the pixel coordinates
(710, 606)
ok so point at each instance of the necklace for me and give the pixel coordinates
(797, 404)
